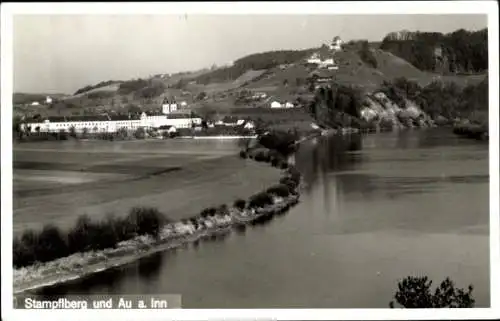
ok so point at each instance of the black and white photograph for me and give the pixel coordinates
(183, 159)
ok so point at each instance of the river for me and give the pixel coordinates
(374, 209)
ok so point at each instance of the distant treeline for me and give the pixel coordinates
(257, 61)
(340, 106)
(440, 98)
(142, 88)
(459, 51)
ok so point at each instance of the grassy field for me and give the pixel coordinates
(56, 182)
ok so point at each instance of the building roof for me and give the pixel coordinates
(123, 117)
(180, 116)
(84, 118)
(154, 113)
(88, 118)
(230, 119)
(56, 119)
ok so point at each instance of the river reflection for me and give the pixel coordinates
(374, 209)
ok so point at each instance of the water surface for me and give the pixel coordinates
(375, 209)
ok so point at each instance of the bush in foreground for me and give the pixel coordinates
(24, 249)
(275, 162)
(222, 210)
(415, 292)
(262, 155)
(146, 220)
(240, 204)
(88, 235)
(260, 200)
(292, 185)
(280, 190)
(293, 174)
(43, 246)
(50, 243)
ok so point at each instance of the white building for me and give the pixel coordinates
(35, 103)
(178, 120)
(327, 63)
(93, 124)
(168, 108)
(112, 123)
(320, 63)
(289, 105)
(249, 125)
(336, 44)
(314, 59)
(48, 100)
(276, 104)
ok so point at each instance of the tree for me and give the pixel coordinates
(133, 109)
(366, 54)
(140, 133)
(62, 135)
(415, 292)
(72, 131)
(201, 96)
(459, 47)
(122, 133)
(207, 112)
(85, 133)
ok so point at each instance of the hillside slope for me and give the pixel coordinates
(281, 75)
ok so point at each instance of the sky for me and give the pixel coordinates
(62, 53)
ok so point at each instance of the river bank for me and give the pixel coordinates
(171, 236)
(260, 207)
(472, 131)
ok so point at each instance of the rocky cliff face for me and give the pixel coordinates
(379, 110)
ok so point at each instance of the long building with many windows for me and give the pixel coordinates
(112, 123)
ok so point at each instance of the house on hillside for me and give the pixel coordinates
(314, 59)
(336, 44)
(327, 63)
(289, 105)
(320, 61)
(35, 103)
(48, 100)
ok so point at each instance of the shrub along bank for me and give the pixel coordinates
(51, 243)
